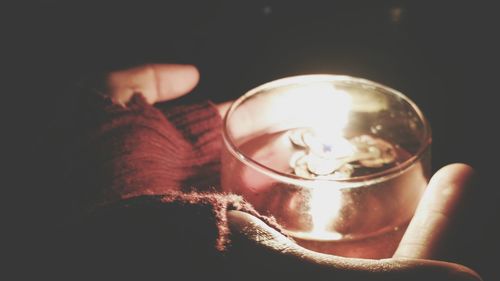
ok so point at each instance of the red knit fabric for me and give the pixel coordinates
(170, 151)
(137, 151)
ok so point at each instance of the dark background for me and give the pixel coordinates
(440, 54)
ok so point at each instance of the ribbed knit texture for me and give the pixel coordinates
(139, 156)
(137, 151)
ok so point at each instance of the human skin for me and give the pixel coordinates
(255, 246)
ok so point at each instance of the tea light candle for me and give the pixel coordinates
(340, 162)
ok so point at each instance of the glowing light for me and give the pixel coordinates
(332, 110)
(327, 107)
(327, 115)
(324, 207)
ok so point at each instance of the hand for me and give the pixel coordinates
(258, 249)
(411, 261)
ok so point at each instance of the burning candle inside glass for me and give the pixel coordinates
(340, 162)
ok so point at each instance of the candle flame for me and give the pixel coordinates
(333, 111)
(306, 103)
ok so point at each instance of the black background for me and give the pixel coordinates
(440, 54)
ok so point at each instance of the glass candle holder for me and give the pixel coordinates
(340, 162)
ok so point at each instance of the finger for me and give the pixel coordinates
(174, 80)
(441, 201)
(156, 82)
(259, 250)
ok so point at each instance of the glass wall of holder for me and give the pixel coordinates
(340, 162)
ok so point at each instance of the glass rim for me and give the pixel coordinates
(347, 182)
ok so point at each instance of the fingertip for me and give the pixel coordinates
(175, 80)
(456, 174)
(456, 272)
(447, 188)
(420, 269)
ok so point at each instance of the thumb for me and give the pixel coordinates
(441, 204)
(156, 82)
